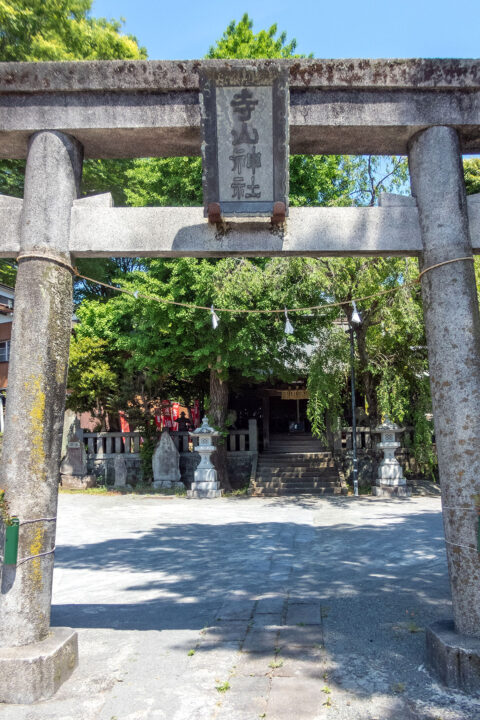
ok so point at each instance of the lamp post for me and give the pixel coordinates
(354, 320)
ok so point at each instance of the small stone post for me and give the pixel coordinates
(253, 435)
(453, 335)
(34, 422)
(166, 464)
(390, 480)
(205, 483)
(120, 472)
(73, 469)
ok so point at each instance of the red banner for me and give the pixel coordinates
(124, 426)
(195, 413)
(167, 416)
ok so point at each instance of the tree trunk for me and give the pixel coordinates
(368, 381)
(217, 417)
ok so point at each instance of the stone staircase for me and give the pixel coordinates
(296, 465)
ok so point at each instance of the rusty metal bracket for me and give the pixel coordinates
(279, 212)
(214, 213)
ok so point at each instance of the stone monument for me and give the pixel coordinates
(73, 470)
(390, 480)
(205, 484)
(166, 464)
(120, 472)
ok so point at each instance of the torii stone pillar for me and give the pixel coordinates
(35, 659)
(453, 335)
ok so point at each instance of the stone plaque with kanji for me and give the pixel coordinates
(245, 140)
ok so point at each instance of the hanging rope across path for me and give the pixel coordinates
(155, 298)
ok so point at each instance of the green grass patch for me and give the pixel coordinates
(139, 489)
(241, 492)
(223, 687)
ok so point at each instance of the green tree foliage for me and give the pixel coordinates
(61, 30)
(327, 379)
(320, 180)
(185, 345)
(471, 169)
(92, 374)
(239, 41)
(391, 323)
(165, 182)
(391, 362)
(243, 346)
(32, 30)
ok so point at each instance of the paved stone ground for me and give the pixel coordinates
(296, 609)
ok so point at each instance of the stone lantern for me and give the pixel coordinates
(390, 480)
(205, 484)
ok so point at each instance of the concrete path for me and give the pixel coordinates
(244, 608)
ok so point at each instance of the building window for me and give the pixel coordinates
(4, 300)
(4, 350)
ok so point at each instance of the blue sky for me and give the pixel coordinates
(410, 28)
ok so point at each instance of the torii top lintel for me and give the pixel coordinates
(151, 108)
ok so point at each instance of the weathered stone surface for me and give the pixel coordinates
(392, 229)
(184, 232)
(244, 111)
(200, 492)
(75, 460)
(177, 75)
(452, 323)
(97, 200)
(69, 417)
(151, 108)
(303, 614)
(165, 463)
(120, 469)
(454, 658)
(390, 480)
(37, 383)
(392, 490)
(35, 672)
(77, 482)
(299, 698)
(394, 200)
(103, 466)
(205, 484)
(7, 201)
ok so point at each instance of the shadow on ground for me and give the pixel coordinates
(342, 605)
(190, 568)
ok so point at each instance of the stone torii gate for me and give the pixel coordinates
(54, 114)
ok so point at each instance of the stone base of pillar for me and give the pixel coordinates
(454, 658)
(205, 490)
(35, 672)
(78, 482)
(392, 490)
(167, 485)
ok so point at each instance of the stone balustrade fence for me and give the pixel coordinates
(103, 447)
(103, 444)
(366, 438)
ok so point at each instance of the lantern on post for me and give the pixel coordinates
(390, 480)
(205, 484)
